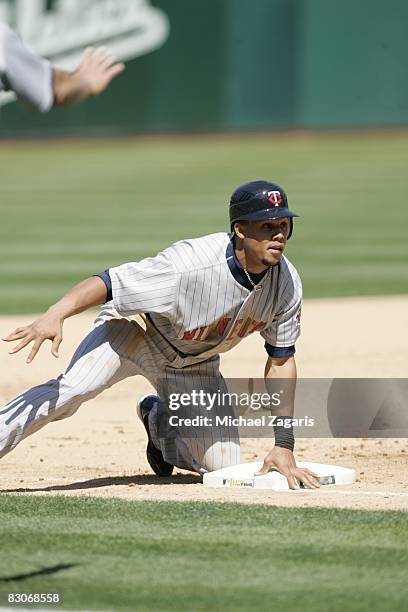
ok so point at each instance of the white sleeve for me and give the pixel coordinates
(285, 328)
(22, 71)
(145, 286)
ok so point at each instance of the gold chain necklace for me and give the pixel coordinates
(256, 287)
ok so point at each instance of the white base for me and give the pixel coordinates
(242, 476)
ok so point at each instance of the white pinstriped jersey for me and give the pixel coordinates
(24, 72)
(192, 296)
(198, 304)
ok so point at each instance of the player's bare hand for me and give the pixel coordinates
(283, 460)
(96, 70)
(46, 327)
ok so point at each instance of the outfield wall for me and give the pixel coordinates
(229, 64)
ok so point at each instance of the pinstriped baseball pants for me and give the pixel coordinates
(115, 349)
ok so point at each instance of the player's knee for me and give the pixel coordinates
(221, 455)
(66, 396)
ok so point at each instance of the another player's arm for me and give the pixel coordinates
(49, 326)
(93, 75)
(281, 456)
(35, 81)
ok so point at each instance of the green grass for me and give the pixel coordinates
(203, 556)
(71, 209)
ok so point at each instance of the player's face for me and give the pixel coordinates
(264, 241)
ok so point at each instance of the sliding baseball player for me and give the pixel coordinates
(168, 318)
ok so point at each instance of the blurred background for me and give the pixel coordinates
(312, 94)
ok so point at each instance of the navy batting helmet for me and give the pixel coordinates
(259, 200)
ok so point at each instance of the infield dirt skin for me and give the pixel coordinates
(100, 451)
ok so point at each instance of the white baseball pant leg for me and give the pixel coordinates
(115, 349)
(205, 447)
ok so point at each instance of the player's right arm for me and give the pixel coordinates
(93, 75)
(35, 81)
(49, 326)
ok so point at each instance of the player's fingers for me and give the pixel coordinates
(311, 473)
(55, 345)
(15, 335)
(114, 70)
(311, 479)
(99, 53)
(308, 481)
(87, 54)
(18, 330)
(34, 350)
(310, 484)
(264, 469)
(107, 61)
(292, 482)
(21, 345)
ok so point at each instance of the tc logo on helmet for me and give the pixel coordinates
(275, 197)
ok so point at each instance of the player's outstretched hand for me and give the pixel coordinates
(46, 327)
(282, 460)
(96, 70)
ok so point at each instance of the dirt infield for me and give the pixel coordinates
(100, 451)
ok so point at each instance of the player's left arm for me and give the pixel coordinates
(281, 457)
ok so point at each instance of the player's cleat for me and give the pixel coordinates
(154, 456)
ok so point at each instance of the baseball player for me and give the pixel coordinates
(168, 318)
(36, 82)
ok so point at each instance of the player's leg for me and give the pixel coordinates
(146, 406)
(209, 445)
(102, 359)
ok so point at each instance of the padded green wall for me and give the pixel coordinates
(252, 64)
